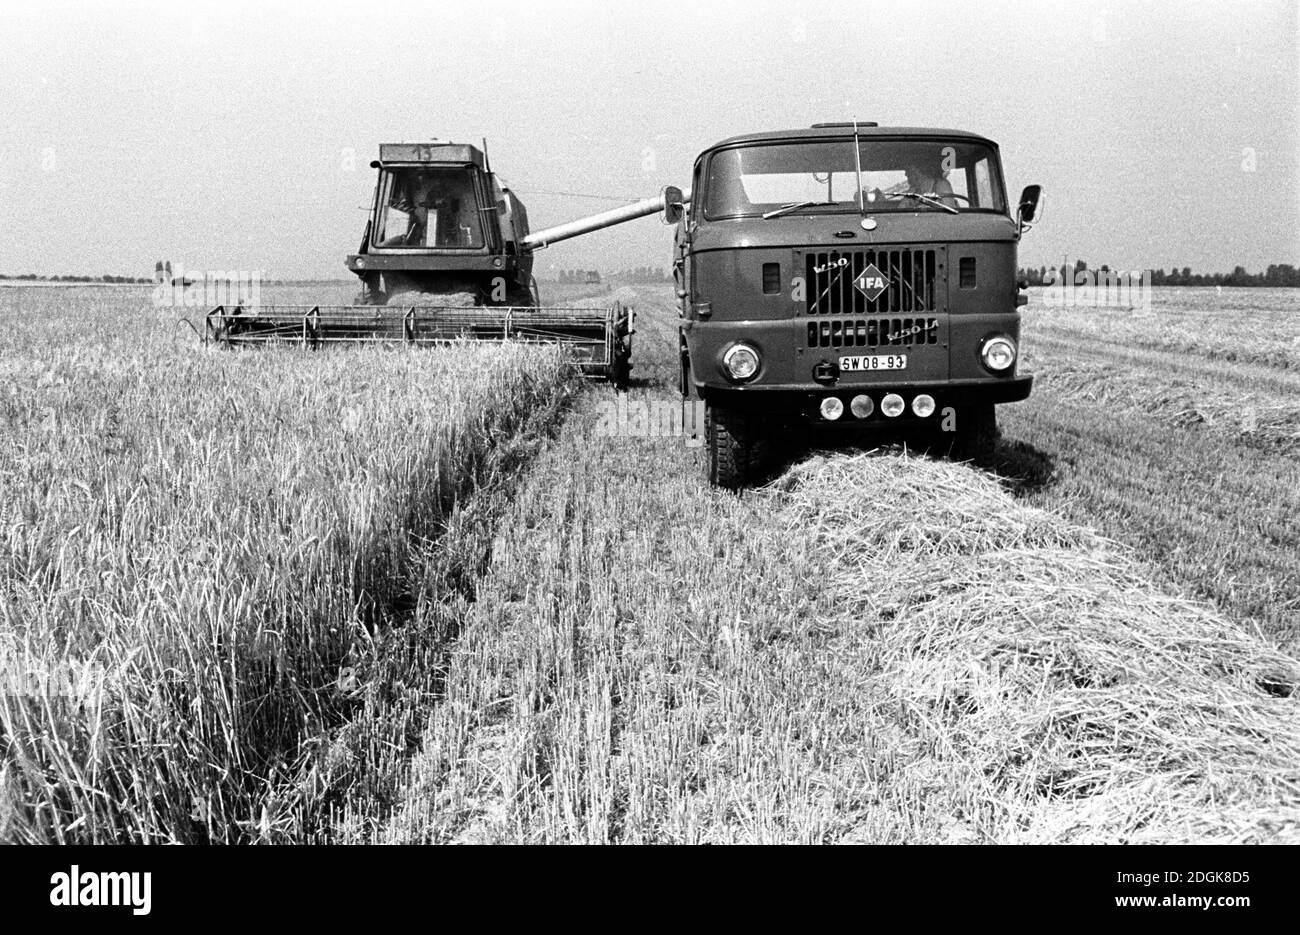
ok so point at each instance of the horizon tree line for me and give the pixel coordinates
(1277, 275)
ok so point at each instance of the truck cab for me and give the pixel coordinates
(849, 276)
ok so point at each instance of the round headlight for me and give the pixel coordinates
(892, 405)
(861, 407)
(923, 405)
(832, 408)
(998, 353)
(741, 362)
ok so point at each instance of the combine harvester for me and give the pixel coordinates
(447, 255)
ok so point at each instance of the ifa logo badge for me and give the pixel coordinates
(871, 282)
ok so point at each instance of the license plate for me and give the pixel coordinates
(874, 362)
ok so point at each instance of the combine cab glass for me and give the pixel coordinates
(428, 208)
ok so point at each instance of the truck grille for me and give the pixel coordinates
(873, 332)
(909, 271)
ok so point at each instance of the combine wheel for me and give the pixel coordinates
(620, 371)
(620, 368)
(519, 297)
(371, 293)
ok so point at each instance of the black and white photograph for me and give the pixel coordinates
(716, 423)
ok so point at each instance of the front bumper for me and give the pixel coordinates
(433, 261)
(801, 402)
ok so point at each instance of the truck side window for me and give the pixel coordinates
(697, 194)
(957, 179)
(983, 185)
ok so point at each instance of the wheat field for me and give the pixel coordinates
(200, 545)
(420, 596)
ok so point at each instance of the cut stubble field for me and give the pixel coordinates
(1182, 441)
(394, 596)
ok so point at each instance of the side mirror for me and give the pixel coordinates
(673, 210)
(1028, 207)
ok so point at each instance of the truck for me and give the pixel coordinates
(849, 277)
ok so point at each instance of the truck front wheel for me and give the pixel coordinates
(735, 445)
(976, 437)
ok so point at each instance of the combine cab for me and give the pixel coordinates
(447, 255)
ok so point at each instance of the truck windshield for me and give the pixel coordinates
(765, 178)
(428, 207)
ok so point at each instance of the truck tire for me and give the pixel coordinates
(735, 446)
(976, 437)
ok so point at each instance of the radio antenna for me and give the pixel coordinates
(857, 161)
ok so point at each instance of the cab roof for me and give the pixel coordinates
(841, 130)
(434, 151)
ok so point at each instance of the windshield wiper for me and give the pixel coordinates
(929, 199)
(795, 206)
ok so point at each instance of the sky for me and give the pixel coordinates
(238, 136)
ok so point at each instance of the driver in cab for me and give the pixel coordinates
(433, 208)
(924, 178)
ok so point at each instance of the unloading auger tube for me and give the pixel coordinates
(664, 202)
(598, 339)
